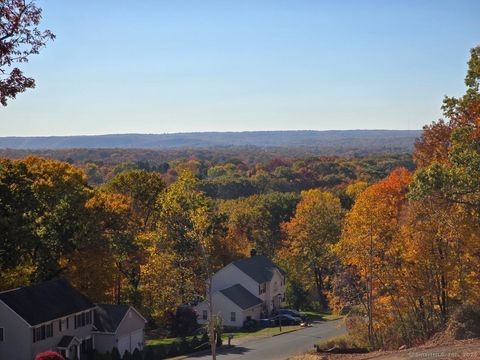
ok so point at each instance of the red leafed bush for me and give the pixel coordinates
(49, 355)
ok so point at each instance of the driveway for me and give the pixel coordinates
(281, 346)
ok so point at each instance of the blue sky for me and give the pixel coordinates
(153, 66)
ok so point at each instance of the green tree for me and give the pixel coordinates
(311, 233)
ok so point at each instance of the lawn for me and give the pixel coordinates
(324, 316)
(262, 332)
(238, 334)
(270, 331)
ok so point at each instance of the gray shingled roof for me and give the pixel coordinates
(258, 267)
(65, 341)
(109, 316)
(241, 296)
(46, 301)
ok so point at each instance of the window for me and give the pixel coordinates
(67, 324)
(88, 319)
(60, 325)
(82, 319)
(233, 316)
(262, 288)
(2, 334)
(49, 330)
(205, 315)
(39, 333)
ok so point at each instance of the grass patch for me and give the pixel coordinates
(324, 316)
(342, 342)
(166, 341)
(237, 334)
(263, 332)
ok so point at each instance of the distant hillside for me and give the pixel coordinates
(348, 140)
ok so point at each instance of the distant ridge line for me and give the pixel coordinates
(403, 139)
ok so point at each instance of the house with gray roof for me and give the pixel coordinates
(245, 289)
(120, 326)
(54, 316)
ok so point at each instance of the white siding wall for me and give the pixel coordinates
(274, 288)
(231, 275)
(223, 307)
(131, 328)
(81, 333)
(17, 336)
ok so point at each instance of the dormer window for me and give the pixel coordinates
(262, 288)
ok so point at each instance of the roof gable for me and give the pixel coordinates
(109, 316)
(46, 301)
(241, 297)
(258, 267)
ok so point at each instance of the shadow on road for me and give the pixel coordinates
(239, 350)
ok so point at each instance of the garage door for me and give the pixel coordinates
(136, 340)
(123, 344)
(131, 342)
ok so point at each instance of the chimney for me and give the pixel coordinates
(253, 252)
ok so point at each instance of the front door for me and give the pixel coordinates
(73, 353)
(277, 299)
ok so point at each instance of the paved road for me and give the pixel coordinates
(281, 346)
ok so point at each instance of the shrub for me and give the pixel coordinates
(204, 341)
(194, 343)
(465, 322)
(49, 355)
(342, 342)
(115, 354)
(149, 353)
(183, 322)
(127, 355)
(184, 346)
(136, 355)
(219, 339)
(250, 325)
(157, 351)
(173, 350)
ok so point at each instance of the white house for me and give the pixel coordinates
(54, 316)
(120, 326)
(245, 289)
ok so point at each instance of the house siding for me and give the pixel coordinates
(222, 306)
(132, 322)
(16, 331)
(275, 287)
(231, 275)
(51, 343)
(104, 342)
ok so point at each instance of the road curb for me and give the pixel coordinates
(201, 352)
(287, 332)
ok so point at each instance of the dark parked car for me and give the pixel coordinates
(290, 312)
(266, 322)
(286, 320)
(293, 313)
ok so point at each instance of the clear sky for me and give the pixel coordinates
(155, 66)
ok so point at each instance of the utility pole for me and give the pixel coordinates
(370, 291)
(211, 324)
(212, 321)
